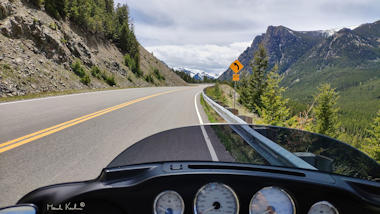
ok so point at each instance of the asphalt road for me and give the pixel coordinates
(78, 150)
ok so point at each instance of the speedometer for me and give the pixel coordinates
(168, 202)
(272, 200)
(216, 198)
(323, 207)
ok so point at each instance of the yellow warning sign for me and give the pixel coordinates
(236, 66)
(235, 77)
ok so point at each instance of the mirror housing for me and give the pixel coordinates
(19, 209)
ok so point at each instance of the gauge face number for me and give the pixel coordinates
(323, 207)
(271, 200)
(216, 198)
(169, 202)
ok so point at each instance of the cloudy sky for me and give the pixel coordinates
(207, 35)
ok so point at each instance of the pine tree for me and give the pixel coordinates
(372, 142)
(56, 8)
(273, 109)
(325, 111)
(254, 85)
(257, 81)
(244, 97)
(36, 3)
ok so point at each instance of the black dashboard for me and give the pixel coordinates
(209, 187)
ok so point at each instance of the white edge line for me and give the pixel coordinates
(204, 132)
(196, 108)
(69, 95)
(54, 97)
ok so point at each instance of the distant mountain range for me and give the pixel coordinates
(197, 75)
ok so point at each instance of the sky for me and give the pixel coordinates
(207, 35)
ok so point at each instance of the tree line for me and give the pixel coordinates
(187, 78)
(262, 94)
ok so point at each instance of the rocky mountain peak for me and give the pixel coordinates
(284, 47)
(287, 47)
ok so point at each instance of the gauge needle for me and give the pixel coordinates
(266, 212)
(163, 209)
(208, 210)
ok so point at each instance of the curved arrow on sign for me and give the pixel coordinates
(237, 65)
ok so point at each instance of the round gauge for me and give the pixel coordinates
(216, 198)
(272, 200)
(323, 207)
(168, 202)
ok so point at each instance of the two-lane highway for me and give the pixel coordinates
(71, 138)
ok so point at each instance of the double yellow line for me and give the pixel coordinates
(48, 131)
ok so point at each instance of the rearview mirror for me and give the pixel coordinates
(19, 209)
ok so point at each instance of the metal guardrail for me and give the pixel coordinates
(271, 151)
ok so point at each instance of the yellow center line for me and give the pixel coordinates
(48, 131)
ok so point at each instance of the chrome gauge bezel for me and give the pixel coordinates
(325, 203)
(217, 183)
(166, 192)
(279, 188)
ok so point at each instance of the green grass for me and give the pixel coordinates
(212, 116)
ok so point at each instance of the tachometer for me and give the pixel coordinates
(168, 202)
(323, 207)
(216, 198)
(272, 200)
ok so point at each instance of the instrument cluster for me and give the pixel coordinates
(218, 198)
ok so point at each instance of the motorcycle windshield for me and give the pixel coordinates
(259, 145)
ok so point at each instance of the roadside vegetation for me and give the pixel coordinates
(101, 75)
(80, 71)
(212, 116)
(262, 94)
(216, 94)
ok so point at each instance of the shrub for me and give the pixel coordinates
(78, 69)
(129, 62)
(63, 40)
(149, 78)
(110, 80)
(85, 79)
(132, 65)
(53, 26)
(158, 75)
(95, 72)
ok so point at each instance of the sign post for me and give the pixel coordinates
(236, 66)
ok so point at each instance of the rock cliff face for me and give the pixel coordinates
(36, 52)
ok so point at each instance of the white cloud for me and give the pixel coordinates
(210, 58)
(191, 28)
